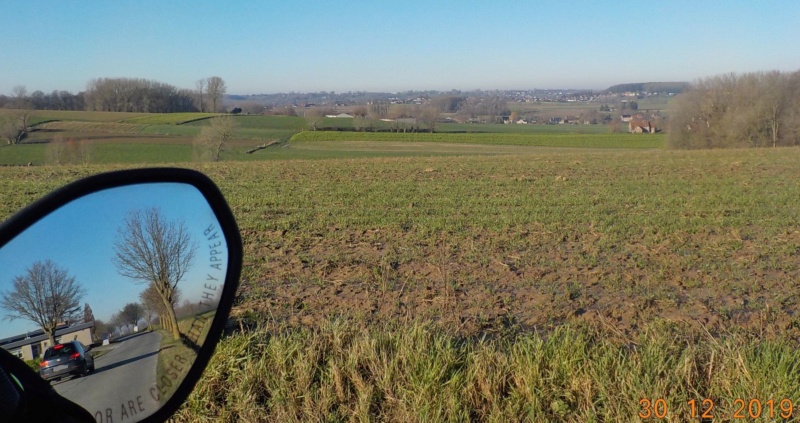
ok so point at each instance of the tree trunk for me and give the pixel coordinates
(774, 126)
(173, 322)
(171, 319)
(51, 336)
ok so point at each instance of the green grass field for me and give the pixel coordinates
(573, 140)
(169, 118)
(523, 129)
(459, 278)
(165, 138)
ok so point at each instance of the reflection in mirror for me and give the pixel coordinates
(111, 296)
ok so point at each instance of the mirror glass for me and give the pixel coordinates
(125, 282)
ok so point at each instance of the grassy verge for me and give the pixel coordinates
(170, 351)
(543, 140)
(414, 373)
(176, 355)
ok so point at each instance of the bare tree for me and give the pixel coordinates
(8, 130)
(14, 126)
(201, 86)
(314, 117)
(216, 91)
(153, 250)
(429, 115)
(20, 101)
(361, 123)
(46, 295)
(213, 138)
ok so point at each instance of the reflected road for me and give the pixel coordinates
(120, 386)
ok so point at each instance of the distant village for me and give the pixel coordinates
(617, 106)
(324, 98)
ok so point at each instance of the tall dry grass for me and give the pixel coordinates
(416, 373)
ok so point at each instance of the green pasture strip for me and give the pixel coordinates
(626, 191)
(169, 118)
(148, 152)
(103, 153)
(70, 115)
(75, 128)
(544, 140)
(166, 129)
(264, 133)
(141, 153)
(413, 372)
(20, 155)
(263, 122)
(522, 129)
(289, 123)
(313, 153)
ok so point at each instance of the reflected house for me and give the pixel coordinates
(31, 345)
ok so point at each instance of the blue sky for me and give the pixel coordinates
(80, 237)
(302, 45)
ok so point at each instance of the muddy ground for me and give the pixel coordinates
(486, 284)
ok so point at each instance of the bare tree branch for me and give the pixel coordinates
(46, 295)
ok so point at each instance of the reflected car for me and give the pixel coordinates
(69, 358)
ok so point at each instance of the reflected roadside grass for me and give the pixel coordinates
(176, 356)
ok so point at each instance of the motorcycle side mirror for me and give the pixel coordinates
(116, 289)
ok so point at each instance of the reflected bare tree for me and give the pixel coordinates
(152, 250)
(46, 294)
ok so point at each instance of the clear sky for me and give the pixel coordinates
(79, 238)
(273, 46)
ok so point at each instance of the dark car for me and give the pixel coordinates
(69, 358)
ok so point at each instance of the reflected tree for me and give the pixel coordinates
(152, 303)
(88, 315)
(152, 250)
(132, 313)
(46, 294)
(101, 330)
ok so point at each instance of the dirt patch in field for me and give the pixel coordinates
(485, 283)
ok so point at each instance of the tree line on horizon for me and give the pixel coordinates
(759, 109)
(124, 95)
